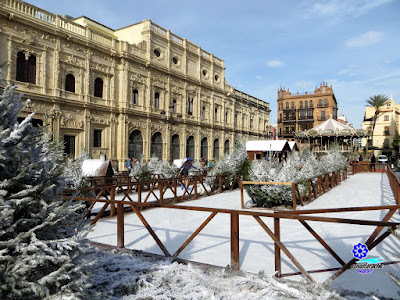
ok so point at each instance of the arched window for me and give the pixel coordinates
(156, 145)
(306, 104)
(135, 97)
(98, 87)
(216, 149)
(190, 147)
(326, 102)
(70, 83)
(292, 104)
(301, 104)
(320, 102)
(135, 146)
(287, 104)
(175, 147)
(157, 100)
(311, 104)
(204, 148)
(226, 147)
(26, 69)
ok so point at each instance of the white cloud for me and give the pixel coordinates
(365, 39)
(259, 77)
(275, 63)
(339, 9)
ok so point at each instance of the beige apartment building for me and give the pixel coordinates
(133, 92)
(386, 127)
(303, 111)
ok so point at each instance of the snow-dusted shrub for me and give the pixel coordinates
(235, 164)
(297, 168)
(265, 171)
(334, 160)
(38, 230)
(159, 166)
(140, 170)
(73, 171)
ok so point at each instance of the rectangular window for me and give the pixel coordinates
(386, 143)
(323, 115)
(97, 138)
(69, 145)
(386, 118)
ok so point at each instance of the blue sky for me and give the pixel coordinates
(354, 45)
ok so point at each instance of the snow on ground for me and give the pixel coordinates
(212, 245)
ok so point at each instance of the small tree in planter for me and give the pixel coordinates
(334, 160)
(158, 166)
(140, 171)
(263, 171)
(235, 164)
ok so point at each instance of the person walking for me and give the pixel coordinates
(187, 165)
(373, 161)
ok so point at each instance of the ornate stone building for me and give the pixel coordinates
(303, 111)
(136, 91)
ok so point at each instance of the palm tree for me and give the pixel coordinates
(377, 101)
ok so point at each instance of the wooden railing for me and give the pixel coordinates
(135, 191)
(394, 184)
(366, 166)
(316, 186)
(302, 216)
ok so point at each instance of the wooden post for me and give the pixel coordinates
(175, 185)
(220, 183)
(112, 197)
(235, 241)
(120, 225)
(241, 192)
(139, 190)
(278, 270)
(309, 191)
(195, 187)
(161, 190)
(294, 195)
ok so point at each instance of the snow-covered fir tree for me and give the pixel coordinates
(236, 163)
(334, 160)
(140, 171)
(296, 168)
(159, 166)
(38, 230)
(73, 171)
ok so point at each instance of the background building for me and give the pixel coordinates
(136, 91)
(303, 111)
(386, 127)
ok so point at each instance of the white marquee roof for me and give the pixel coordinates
(331, 124)
(266, 145)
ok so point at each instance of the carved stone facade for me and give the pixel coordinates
(117, 92)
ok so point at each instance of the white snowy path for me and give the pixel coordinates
(212, 244)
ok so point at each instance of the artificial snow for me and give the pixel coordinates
(212, 244)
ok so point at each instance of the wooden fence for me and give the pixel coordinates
(303, 216)
(104, 188)
(316, 186)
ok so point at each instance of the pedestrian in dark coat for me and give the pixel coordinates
(373, 161)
